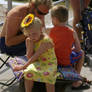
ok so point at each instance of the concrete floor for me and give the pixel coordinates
(6, 75)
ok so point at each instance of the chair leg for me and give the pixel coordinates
(7, 84)
(4, 62)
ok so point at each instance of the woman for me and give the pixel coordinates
(11, 38)
(77, 13)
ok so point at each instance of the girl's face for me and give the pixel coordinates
(35, 33)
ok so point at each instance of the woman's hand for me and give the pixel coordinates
(18, 67)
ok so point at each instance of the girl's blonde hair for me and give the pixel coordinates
(47, 3)
(36, 23)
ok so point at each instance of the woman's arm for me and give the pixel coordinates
(12, 27)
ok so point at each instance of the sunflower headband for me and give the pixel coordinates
(27, 20)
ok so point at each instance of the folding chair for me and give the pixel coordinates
(11, 64)
(1, 59)
(4, 61)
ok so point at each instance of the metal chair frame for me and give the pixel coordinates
(3, 63)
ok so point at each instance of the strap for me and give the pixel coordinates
(84, 79)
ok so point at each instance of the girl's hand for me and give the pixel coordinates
(18, 67)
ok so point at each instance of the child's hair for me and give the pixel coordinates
(36, 23)
(60, 12)
(47, 3)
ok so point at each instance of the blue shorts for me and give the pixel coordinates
(17, 50)
(75, 56)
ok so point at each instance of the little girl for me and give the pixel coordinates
(42, 63)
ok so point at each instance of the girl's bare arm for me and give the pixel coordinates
(29, 48)
(43, 48)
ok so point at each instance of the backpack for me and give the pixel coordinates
(87, 25)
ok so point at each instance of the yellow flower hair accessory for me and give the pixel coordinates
(27, 20)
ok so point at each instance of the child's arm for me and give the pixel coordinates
(76, 42)
(29, 47)
(29, 53)
(43, 48)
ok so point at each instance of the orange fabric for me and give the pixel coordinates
(63, 41)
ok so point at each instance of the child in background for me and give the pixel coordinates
(42, 62)
(66, 42)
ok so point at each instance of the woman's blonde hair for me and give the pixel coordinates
(47, 3)
(35, 24)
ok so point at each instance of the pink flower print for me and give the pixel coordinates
(44, 59)
(49, 63)
(46, 73)
(38, 68)
(29, 75)
(48, 58)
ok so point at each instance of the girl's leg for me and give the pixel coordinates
(50, 87)
(28, 85)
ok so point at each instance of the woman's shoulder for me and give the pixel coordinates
(18, 11)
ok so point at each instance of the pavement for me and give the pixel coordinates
(6, 75)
